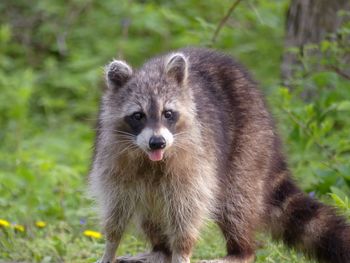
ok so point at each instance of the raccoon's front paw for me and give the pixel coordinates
(210, 261)
(229, 259)
(128, 260)
(153, 257)
(141, 258)
(102, 260)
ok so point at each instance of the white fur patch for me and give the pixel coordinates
(142, 140)
(168, 136)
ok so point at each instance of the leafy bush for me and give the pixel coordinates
(315, 117)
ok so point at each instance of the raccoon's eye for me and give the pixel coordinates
(168, 114)
(138, 116)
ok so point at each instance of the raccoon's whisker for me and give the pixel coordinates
(102, 129)
(104, 118)
(184, 148)
(95, 119)
(121, 137)
(125, 150)
(117, 131)
(135, 151)
(131, 147)
(124, 138)
(130, 143)
(127, 143)
(186, 145)
(180, 134)
(123, 132)
(121, 143)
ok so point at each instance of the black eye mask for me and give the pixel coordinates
(136, 122)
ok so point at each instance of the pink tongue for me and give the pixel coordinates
(155, 155)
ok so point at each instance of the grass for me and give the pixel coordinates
(43, 178)
(61, 242)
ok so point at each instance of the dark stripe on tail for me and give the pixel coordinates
(285, 189)
(330, 242)
(334, 244)
(300, 211)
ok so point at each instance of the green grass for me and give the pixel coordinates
(62, 242)
(43, 177)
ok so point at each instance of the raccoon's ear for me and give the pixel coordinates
(117, 74)
(176, 67)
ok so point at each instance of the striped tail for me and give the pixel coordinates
(306, 224)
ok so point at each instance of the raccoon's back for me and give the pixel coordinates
(229, 104)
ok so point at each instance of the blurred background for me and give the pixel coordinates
(52, 55)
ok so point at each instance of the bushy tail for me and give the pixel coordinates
(305, 223)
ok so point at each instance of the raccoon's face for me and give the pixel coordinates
(151, 103)
(154, 129)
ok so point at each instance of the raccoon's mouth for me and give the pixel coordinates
(155, 155)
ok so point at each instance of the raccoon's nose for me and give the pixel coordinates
(157, 142)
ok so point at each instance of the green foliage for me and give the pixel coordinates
(315, 116)
(51, 58)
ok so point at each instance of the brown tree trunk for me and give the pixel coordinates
(309, 21)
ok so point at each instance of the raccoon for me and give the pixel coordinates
(187, 138)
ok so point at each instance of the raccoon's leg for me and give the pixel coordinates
(184, 224)
(158, 239)
(160, 249)
(113, 237)
(116, 215)
(110, 249)
(239, 215)
(239, 238)
(239, 235)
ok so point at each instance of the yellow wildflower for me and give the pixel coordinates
(18, 227)
(40, 224)
(93, 234)
(4, 223)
